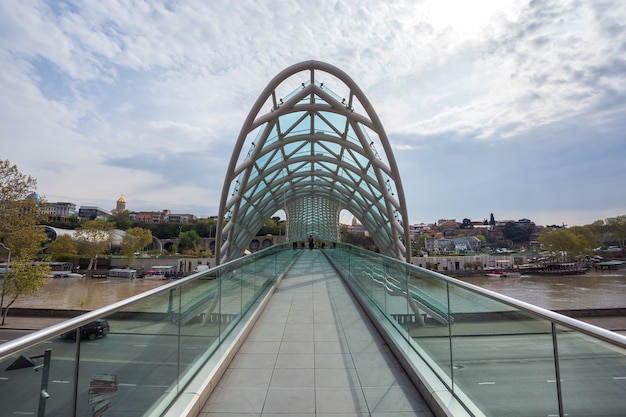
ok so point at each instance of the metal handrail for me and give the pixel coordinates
(586, 328)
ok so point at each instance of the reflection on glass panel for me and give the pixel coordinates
(135, 359)
(199, 324)
(230, 292)
(502, 358)
(136, 364)
(593, 375)
(375, 272)
(23, 376)
(396, 301)
(429, 320)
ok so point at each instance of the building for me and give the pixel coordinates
(120, 204)
(181, 218)
(93, 212)
(163, 216)
(150, 217)
(58, 211)
(457, 245)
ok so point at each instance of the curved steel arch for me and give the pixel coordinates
(312, 157)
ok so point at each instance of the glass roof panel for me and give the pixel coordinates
(287, 120)
(272, 136)
(351, 135)
(254, 172)
(322, 125)
(299, 128)
(262, 160)
(320, 100)
(335, 119)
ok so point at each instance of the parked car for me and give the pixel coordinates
(91, 331)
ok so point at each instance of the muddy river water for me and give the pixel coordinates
(593, 290)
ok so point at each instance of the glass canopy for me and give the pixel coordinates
(313, 154)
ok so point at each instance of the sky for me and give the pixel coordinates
(516, 108)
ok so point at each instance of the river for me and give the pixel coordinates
(594, 290)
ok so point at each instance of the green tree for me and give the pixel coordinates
(122, 220)
(19, 215)
(573, 242)
(24, 278)
(599, 230)
(134, 240)
(269, 228)
(71, 222)
(205, 228)
(20, 234)
(616, 227)
(63, 248)
(518, 233)
(189, 241)
(94, 238)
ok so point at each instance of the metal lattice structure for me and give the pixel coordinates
(313, 154)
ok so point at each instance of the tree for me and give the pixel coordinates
(19, 215)
(20, 233)
(94, 238)
(205, 228)
(189, 241)
(616, 227)
(574, 241)
(24, 278)
(269, 228)
(467, 224)
(62, 248)
(134, 240)
(492, 220)
(518, 233)
(122, 220)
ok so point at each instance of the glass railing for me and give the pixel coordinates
(496, 355)
(154, 345)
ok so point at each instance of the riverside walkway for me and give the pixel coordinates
(313, 352)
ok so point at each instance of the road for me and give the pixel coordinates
(138, 359)
(509, 374)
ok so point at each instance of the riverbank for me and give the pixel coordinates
(590, 297)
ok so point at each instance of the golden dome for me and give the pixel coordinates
(121, 200)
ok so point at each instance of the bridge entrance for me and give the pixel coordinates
(312, 151)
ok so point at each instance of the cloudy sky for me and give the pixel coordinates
(516, 108)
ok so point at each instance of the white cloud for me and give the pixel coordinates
(109, 97)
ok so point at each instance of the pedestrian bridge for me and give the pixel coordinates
(334, 331)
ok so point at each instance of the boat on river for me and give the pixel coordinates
(503, 273)
(555, 268)
(503, 269)
(161, 272)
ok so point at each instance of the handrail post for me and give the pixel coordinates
(557, 369)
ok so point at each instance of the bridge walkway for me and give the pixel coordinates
(314, 352)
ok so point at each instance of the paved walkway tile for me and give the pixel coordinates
(313, 352)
